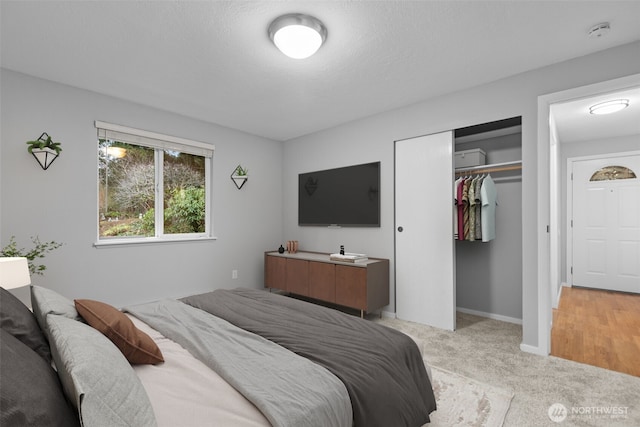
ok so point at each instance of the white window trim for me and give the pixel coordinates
(151, 241)
(161, 142)
(154, 139)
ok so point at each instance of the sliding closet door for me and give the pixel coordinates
(424, 263)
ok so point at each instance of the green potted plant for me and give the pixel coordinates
(44, 150)
(39, 250)
(240, 176)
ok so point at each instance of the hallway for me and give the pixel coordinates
(598, 327)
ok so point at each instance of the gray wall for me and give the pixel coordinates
(372, 139)
(264, 213)
(61, 203)
(578, 149)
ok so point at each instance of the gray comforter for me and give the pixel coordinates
(381, 368)
(267, 374)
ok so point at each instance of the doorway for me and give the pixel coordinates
(603, 246)
(428, 275)
(552, 177)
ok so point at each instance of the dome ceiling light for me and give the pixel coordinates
(609, 107)
(296, 35)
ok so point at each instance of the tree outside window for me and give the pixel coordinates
(150, 192)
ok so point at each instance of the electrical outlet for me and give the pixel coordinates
(234, 274)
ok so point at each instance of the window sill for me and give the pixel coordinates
(148, 241)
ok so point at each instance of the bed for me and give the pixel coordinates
(241, 357)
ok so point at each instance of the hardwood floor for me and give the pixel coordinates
(598, 327)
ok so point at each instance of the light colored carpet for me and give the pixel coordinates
(465, 402)
(488, 351)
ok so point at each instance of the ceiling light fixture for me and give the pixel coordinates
(609, 107)
(296, 35)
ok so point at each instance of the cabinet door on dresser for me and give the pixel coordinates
(297, 276)
(275, 272)
(351, 286)
(322, 281)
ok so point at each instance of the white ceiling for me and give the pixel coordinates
(574, 123)
(212, 60)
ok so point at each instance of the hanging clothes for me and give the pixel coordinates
(456, 207)
(473, 199)
(478, 208)
(460, 207)
(489, 199)
(474, 208)
(465, 208)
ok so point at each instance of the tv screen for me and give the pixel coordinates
(347, 196)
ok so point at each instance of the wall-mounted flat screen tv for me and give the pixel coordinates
(345, 197)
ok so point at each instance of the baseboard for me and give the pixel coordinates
(562, 285)
(531, 349)
(388, 314)
(490, 315)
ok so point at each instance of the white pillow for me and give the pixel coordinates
(96, 377)
(45, 301)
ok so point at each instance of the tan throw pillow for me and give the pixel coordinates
(134, 344)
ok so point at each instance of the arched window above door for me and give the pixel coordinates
(610, 173)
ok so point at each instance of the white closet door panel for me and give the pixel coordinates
(425, 283)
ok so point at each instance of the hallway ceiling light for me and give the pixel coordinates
(296, 35)
(609, 107)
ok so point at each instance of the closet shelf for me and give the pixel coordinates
(495, 167)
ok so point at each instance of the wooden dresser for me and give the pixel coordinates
(363, 285)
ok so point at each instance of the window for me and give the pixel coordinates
(151, 187)
(611, 173)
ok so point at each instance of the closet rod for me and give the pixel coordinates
(496, 167)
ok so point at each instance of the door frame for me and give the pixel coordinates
(548, 225)
(569, 201)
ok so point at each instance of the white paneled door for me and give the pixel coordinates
(606, 223)
(424, 259)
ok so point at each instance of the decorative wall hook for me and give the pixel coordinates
(44, 150)
(239, 176)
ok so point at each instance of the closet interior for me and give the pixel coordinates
(488, 274)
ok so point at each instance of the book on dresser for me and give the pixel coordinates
(348, 257)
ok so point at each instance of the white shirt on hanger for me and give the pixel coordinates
(489, 198)
(455, 207)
